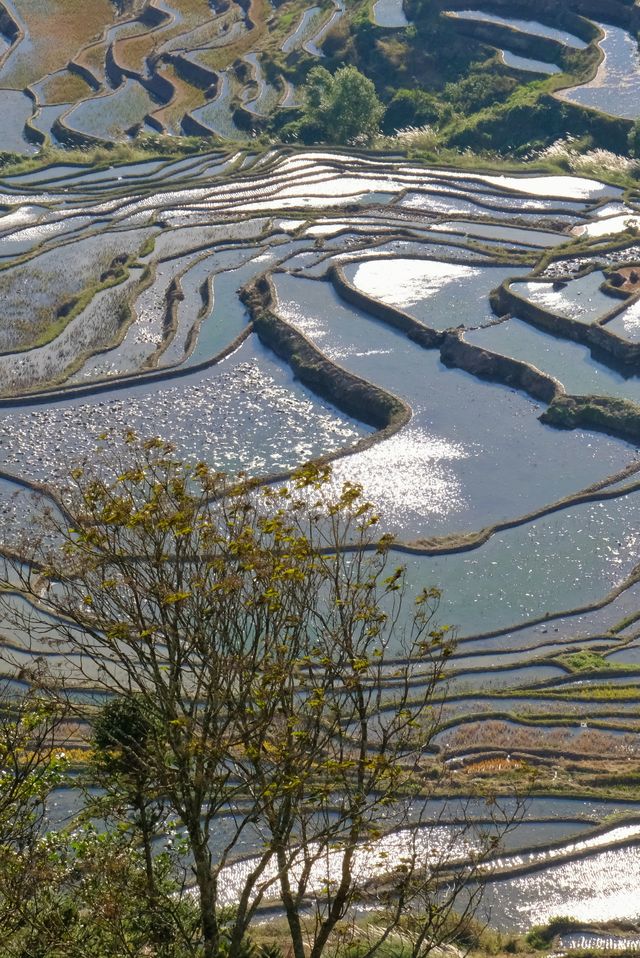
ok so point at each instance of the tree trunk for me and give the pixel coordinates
(337, 907)
(293, 918)
(147, 835)
(208, 896)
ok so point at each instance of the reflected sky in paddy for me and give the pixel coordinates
(616, 87)
(456, 470)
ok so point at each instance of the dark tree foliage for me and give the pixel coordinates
(413, 108)
(343, 105)
(479, 90)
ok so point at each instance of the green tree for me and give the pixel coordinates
(478, 90)
(122, 733)
(343, 105)
(70, 889)
(87, 899)
(286, 681)
(634, 139)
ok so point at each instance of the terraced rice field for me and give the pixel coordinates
(233, 71)
(469, 301)
(479, 305)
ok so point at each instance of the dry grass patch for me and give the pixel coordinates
(56, 30)
(93, 57)
(131, 52)
(64, 87)
(187, 98)
(493, 766)
(495, 733)
(631, 278)
(191, 12)
(221, 57)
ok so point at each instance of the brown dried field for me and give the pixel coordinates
(57, 29)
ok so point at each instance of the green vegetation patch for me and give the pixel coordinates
(618, 417)
(585, 661)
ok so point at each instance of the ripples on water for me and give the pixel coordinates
(563, 561)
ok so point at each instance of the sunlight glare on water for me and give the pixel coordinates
(602, 887)
(423, 481)
(404, 282)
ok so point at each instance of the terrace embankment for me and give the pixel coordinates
(196, 73)
(79, 69)
(505, 300)
(518, 121)
(526, 44)
(419, 333)
(9, 28)
(621, 13)
(352, 395)
(514, 588)
(456, 353)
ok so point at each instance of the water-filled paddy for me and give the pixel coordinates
(560, 562)
(47, 116)
(616, 87)
(106, 116)
(609, 224)
(496, 207)
(627, 323)
(267, 96)
(570, 363)
(452, 470)
(313, 45)
(304, 29)
(15, 108)
(246, 413)
(92, 330)
(580, 299)
(34, 291)
(534, 27)
(527, 63)
(216, 115)
(627, 656)
(389, 13)
(440, 295)
(473, 452)
(17, 504)
(544, 822)
(601, 887)
(401, 259)
(432, 843)
(496, 231)
(556, 628)
(202, 331)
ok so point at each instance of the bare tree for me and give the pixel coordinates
(291, 681)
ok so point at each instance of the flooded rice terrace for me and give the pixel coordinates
(121, 309)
